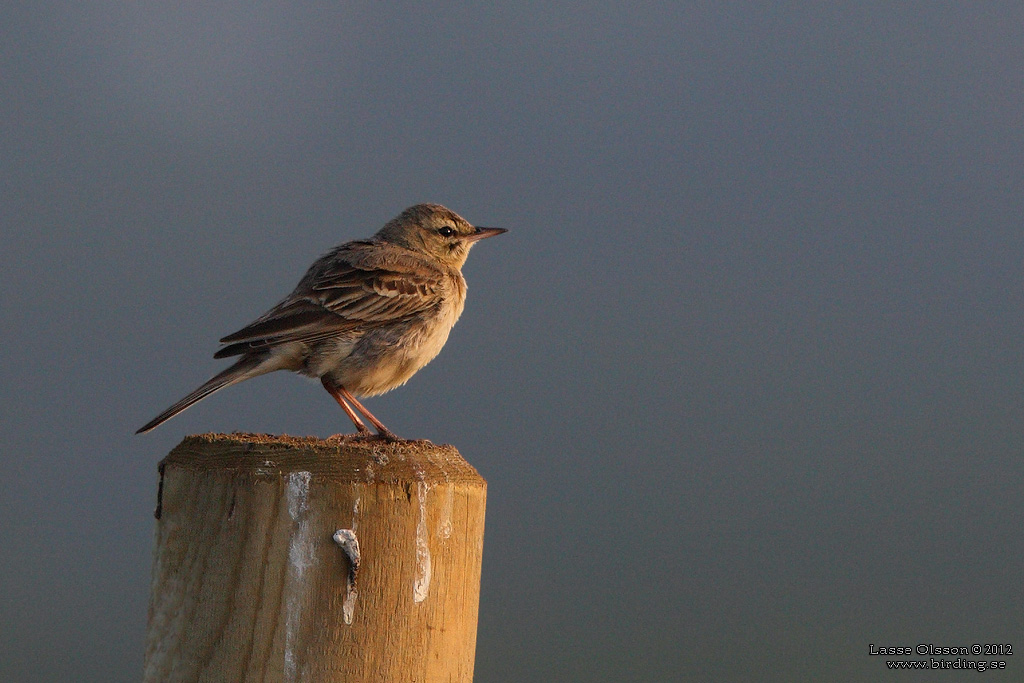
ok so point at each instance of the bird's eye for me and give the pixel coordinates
(446, 231)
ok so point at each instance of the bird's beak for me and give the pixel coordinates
(481, 233)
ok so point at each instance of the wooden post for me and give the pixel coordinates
(297, 559)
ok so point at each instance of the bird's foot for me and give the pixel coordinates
(388, 435)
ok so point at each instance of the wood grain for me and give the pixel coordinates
(249, 585)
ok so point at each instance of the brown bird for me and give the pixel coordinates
(366, 316)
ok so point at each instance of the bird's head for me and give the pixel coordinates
(436, 231)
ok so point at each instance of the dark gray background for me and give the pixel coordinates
(744, 377)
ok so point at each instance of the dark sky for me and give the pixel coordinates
(745, 376)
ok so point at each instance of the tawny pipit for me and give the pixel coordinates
(365, 317)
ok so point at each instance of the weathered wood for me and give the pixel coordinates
(249, 583)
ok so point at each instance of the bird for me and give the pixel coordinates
(365, 317)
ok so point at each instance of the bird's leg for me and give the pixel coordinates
(333, 390)
(381, 429)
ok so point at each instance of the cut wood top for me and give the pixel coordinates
(338, 458)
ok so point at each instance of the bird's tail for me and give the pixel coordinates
(246, 367)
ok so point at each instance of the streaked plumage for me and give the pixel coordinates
(366, 316)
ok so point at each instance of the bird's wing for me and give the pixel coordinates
(376, 294)
(349, 290)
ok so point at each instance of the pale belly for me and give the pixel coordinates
(397, 364)
(384, 359)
